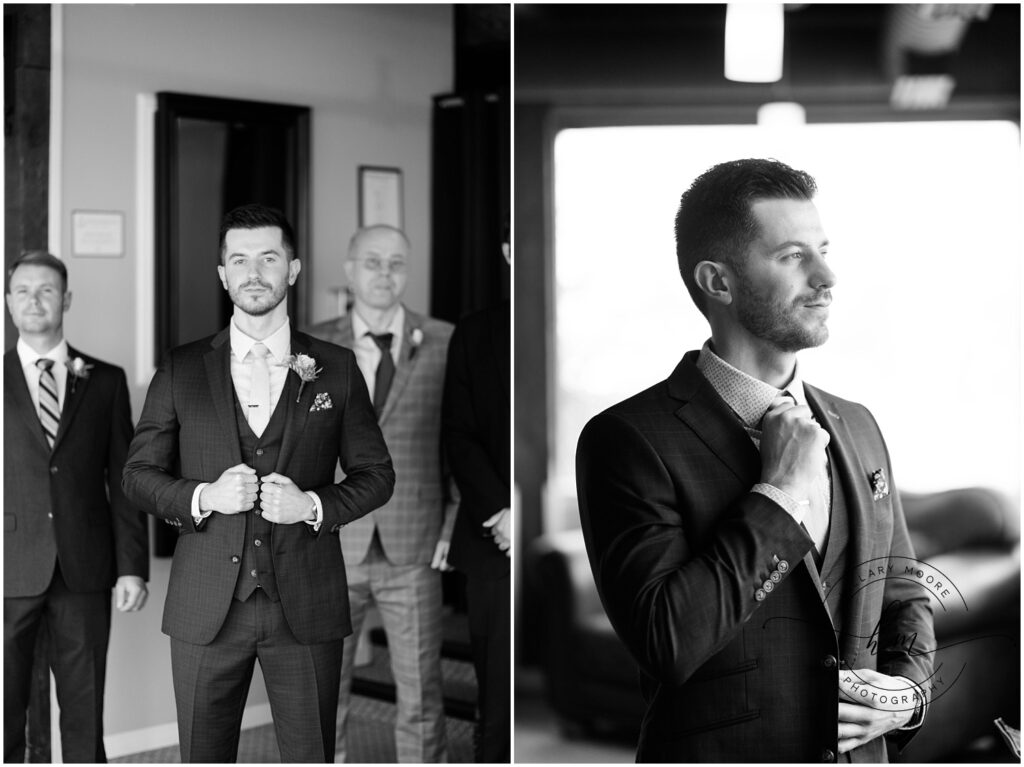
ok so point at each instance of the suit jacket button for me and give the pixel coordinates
(759, 595)
(257, 542)
(783, 566)
(49, 514)
(829, 661)
(53, 469)
(235, 560)
(828, 755)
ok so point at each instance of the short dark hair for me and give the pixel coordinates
(256, 216)
(715, 221)
(38, 258)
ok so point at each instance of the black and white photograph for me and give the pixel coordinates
(257, 498)
(767, 322)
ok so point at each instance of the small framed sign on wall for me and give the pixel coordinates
(380, 196)
(97, 233)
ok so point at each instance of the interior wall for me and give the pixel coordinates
(367, 72)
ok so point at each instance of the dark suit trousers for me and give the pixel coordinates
(490, 633)
(211, 684)
(79, 631)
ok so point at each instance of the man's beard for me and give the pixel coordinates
(257, 306)
(776, 322)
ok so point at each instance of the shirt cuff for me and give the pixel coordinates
(917, 719)
(796, 509)
(315, 523)
(197, 515)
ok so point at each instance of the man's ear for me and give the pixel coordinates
(714, 281)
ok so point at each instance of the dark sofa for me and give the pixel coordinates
(970, 535)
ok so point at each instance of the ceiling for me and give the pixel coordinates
(578, 53)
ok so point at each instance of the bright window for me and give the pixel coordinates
(923, 220)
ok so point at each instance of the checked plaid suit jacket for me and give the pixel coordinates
(679, 547)
(410, 523)
(66, 504)
(188, 434)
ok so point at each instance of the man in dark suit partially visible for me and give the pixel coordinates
(69, 532)
(739, 522)
(237, 447)
(476, 415)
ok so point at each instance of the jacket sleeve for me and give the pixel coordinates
(369, 475)
(150, 477)
(674, 601)
(131, 539)
(483, 491)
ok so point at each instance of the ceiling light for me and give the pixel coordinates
(753, 42)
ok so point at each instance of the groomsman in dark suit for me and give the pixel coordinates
(69, 532)
(393, 556)
(741, 524)
(237, 448)
(477, 411)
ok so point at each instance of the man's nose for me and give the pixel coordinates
(822, 275)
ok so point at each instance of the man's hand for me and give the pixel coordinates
(500, 525)
(130, 593)
(234, 491)
(282, 502)
(870, 705)
(440, 560)
(792, 448)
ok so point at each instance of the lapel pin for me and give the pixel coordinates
(879, 485)
(834, 414)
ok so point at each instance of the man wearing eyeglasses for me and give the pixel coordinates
(393, 556)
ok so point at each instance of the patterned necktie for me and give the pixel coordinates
(385, 372)
(49, 405)
(259, 392)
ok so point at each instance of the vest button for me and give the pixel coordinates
(259, 451)
(258, 542)
(235, 560)
(252, 573)
(829, 661)
(53, 469)
(828, 755)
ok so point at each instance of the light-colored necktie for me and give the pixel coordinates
(259, 390)
(49, 405)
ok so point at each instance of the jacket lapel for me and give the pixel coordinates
(17, 387)
(500, 345)
(297, 404)
(74, 393)
(853, 482)
(407, 359)
(222, 389)
(712, 420)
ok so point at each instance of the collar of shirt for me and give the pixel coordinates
(748, 397)
(278, 343)
(360, 330)
(28, 355)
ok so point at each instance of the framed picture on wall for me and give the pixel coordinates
(380, 196)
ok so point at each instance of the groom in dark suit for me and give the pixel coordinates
(746, 539)
(237, 447)
(69, 532)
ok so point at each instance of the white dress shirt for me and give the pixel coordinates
(366, 349)
(28, 356)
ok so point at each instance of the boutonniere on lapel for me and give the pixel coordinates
(321, 402)
(415, 339)
(77, 369)
(879, 484)
(304, 367)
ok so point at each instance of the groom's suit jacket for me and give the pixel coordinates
(409, 524)
(188, 434)
(732, 669)
(66, 505)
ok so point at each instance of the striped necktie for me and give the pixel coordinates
(49, 405)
